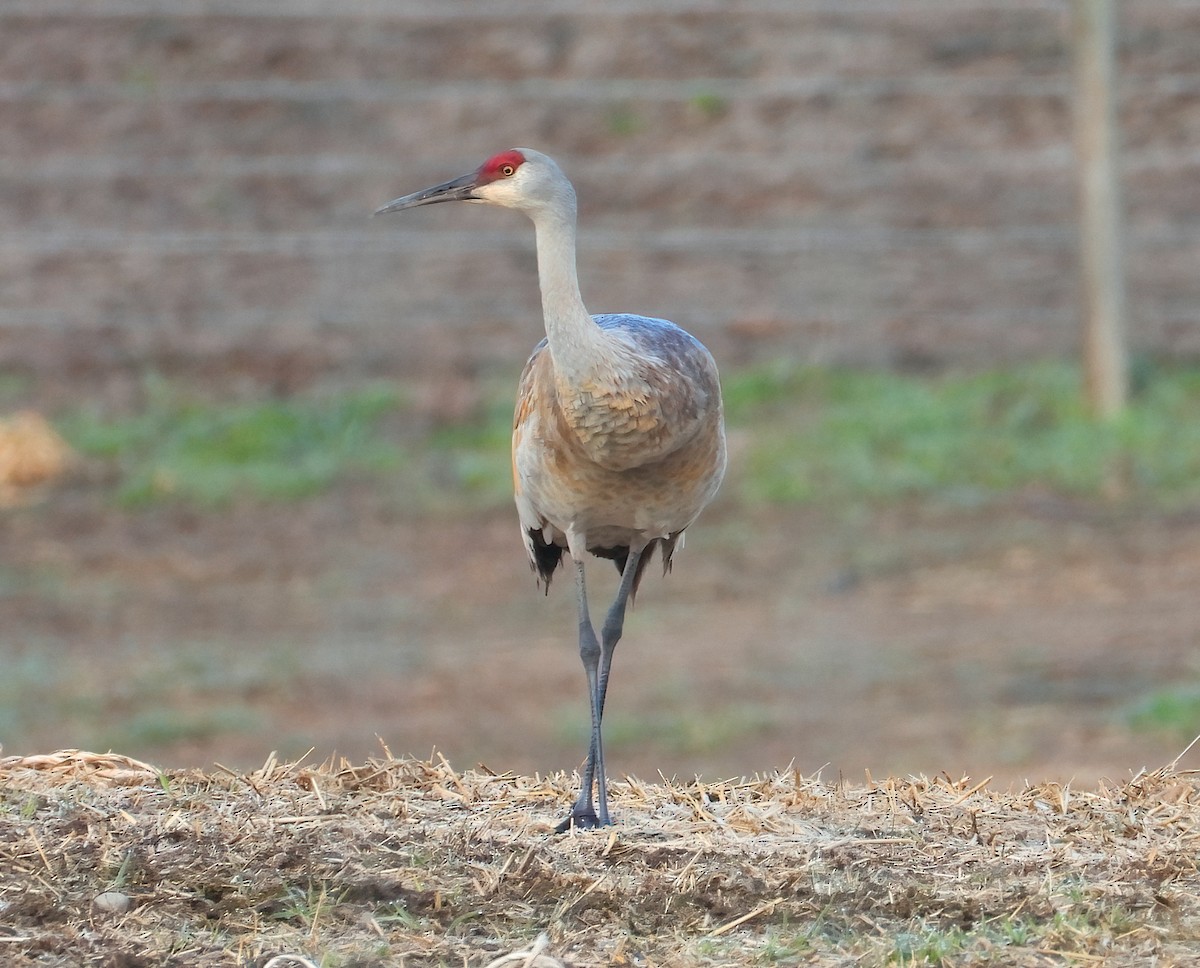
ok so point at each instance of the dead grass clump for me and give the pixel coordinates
(31, 453)
(403, 861)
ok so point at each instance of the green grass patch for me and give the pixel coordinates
(1175, 711)
(193, 692)
(808, 434)
(710, 105)
(14, 388)
(690, 732)
(623, 121)
(473, 458)
(210, 452)
(162, 725)
(837, 435)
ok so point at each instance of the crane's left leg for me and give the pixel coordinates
(583, 814)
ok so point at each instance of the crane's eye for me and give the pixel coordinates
(507, 170)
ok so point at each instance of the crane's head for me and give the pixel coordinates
(519, 178)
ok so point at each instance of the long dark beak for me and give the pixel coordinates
(460, 190)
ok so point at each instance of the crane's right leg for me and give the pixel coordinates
(583, 814)
(610, 635)
(614, 622)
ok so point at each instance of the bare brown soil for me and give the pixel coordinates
(1011, 642)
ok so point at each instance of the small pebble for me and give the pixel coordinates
(112, 902)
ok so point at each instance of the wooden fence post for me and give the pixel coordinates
(1100, 243)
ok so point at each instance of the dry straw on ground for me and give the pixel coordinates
(31, 452)
(408, 862)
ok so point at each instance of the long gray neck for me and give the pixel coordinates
(576, 342)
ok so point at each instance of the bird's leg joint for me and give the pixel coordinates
(589, 645)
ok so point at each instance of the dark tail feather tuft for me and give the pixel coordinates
(546, 558)
(641, 570)
(620, 556)
(668, 550)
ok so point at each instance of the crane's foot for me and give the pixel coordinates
(582, 820)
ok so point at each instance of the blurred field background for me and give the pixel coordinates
(285, 518)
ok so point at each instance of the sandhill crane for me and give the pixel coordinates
(618, 437)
